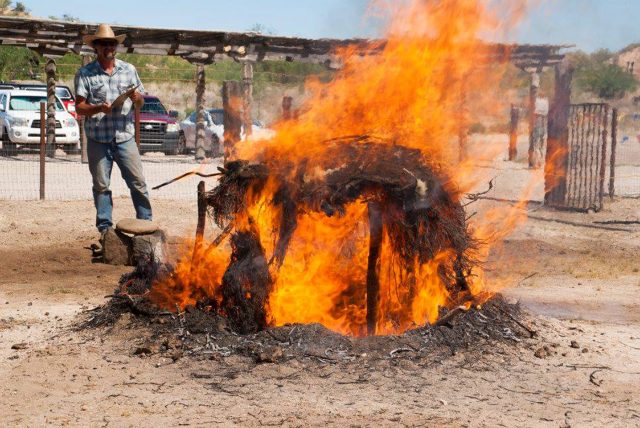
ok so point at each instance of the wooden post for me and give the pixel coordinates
(535, 152)
(603, 159)
(50, 70)
(247, 98)
(200, 116)
(373, 266)
(612, 161)
(42, 149)
(202, 211)
(513, 133)
(84, 157)
(202, 217)
(557, 155)
(287, 102)
(232, 103)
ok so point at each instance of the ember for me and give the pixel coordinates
(364, 232)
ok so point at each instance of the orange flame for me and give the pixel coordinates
(410, 94)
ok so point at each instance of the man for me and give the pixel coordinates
(110, 129)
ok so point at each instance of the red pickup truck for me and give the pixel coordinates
(158, 128)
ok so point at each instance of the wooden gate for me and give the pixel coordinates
(583, 159)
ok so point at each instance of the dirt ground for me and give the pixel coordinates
(579, 279)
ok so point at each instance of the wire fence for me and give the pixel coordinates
(67, 178)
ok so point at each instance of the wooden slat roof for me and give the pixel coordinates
(56, 38)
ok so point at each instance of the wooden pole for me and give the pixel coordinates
(202, 217)
(513, 133)
(202, 211)
(42, 149)
(612, 161)
(373, 266)
(84, 157)
(232, 104)
(247, 98)
(200, 115)
(50, 71)
(535, 152)
(603, 159)
(557, 155)
(287, 102)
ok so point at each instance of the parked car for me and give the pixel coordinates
(63, 92)
(158, 128)
(20, 121)
(214, 131)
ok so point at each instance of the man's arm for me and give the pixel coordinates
(83, 108)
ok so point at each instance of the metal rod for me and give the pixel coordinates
(42, 148)
(614, 143)
(513, 133)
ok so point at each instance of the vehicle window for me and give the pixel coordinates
(217, 117)
(2, 100)
(31, 103)
(63, 93)
(192, 117)
(153, 106)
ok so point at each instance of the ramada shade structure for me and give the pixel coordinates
(56, 38)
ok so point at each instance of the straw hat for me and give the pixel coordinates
(104, 33)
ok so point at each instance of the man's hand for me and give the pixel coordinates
(104, 108)
(137, 98)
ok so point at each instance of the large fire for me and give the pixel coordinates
(409, 95)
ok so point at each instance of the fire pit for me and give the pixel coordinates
(375, 244)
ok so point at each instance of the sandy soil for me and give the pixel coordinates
(580, 281)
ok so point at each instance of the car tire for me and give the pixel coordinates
(8, 148)
(180, 146)
(72, 149)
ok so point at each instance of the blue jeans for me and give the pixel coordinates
(126, 155)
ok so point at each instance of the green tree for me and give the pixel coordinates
(17, 63)
(598, 74)
(20, 8)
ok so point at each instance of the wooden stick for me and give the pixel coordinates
(186, 174)
(373, 267)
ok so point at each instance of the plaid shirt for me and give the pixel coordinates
(97, 87)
